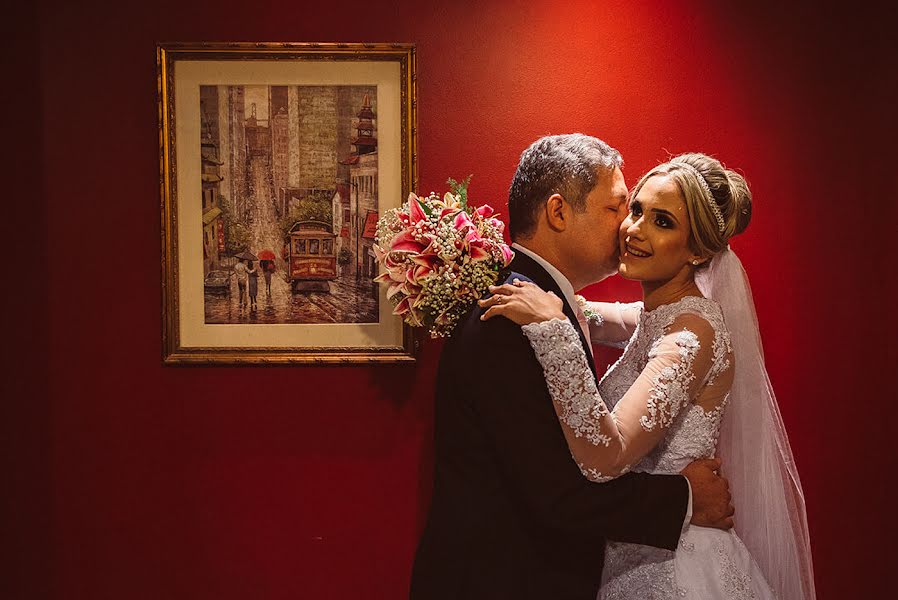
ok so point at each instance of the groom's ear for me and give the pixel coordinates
(556, 212)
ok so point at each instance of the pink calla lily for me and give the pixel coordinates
(473, 236)
(419, 274)
(391, 263)
(479, 252)
(507, 254)
(402, 308)
(426, 259)
(477, 246)
(485, 211)
(386, 258)
(415, 212)
(462, 221)
(394, 289)
(384, 277)
(406, 310)
(395, 271)
(406, 242)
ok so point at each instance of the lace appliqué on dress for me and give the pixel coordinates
(560, 352)
(693, 436)
(595, 475)
(671, 387)
(736, 584)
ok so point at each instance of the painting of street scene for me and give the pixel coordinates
(290, 203)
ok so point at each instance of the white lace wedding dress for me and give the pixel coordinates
(656, 410)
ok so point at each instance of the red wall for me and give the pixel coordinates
(138, 481)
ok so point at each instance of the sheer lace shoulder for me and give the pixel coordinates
(702, 317)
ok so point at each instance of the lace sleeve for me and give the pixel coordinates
(569, 379)
(585, 419)
(606, 444)
(611, 323)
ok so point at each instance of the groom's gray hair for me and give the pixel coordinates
(556, 164)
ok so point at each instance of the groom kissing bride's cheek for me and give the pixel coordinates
(555, 481)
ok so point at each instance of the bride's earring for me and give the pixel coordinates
(695, 262)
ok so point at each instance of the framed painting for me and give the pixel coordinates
(276, 160)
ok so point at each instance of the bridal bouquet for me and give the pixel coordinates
(439, 256)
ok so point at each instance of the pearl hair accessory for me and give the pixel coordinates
(712, 204)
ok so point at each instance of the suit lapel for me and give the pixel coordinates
(528, 267)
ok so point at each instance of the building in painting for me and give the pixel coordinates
(280, 150)
(235, 157)
(213, 225)
(363, 191)
(342, 223)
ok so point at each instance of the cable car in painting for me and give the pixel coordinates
(311, 256)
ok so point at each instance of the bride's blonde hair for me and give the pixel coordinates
(729, 191)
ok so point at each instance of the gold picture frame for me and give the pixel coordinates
(263, 148)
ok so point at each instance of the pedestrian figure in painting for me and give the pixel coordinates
(253, 274)
(267, 267)
(240, 270)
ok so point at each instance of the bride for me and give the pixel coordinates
(690, 384)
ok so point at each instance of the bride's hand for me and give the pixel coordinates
(522, 302)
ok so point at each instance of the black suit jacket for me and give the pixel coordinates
(512, 516)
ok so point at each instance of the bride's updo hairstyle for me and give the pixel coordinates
(711, 229)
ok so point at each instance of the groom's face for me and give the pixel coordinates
(594, 235)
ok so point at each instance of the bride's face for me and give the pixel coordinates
(654, 237)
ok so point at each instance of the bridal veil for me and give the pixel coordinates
(757, 460)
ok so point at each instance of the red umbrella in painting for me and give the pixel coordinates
(267, 255)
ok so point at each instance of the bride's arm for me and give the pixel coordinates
(607, 444)
(615, 322)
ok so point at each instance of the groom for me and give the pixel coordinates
(512, 516)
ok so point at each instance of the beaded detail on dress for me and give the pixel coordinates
(736, 583)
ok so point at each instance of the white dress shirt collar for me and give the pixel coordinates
(566, 288)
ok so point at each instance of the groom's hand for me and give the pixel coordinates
(711, 500)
